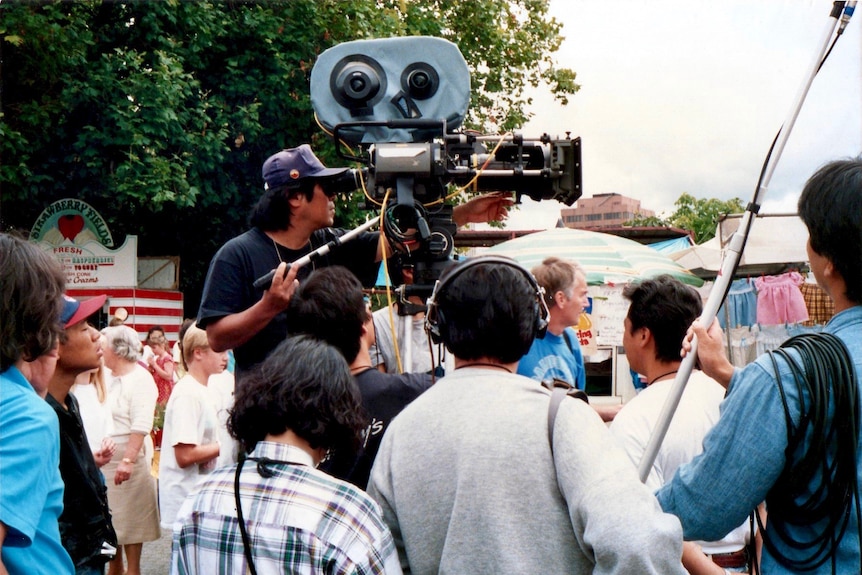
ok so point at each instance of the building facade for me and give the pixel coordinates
(602, 211)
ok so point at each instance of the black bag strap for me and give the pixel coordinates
(568, 342)
(559, 390)
(246, 546)
(264, 471)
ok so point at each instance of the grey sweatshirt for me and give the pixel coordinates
(467, 484)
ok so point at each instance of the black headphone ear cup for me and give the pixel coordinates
(432, 325)
(440, 328)
(542, 311)
(541, 323)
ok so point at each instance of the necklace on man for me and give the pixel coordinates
(655, 379)
(278, 253)
(484, 364)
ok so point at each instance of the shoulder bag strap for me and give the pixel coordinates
(559, 390)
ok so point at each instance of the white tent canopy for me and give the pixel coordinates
(775, 244)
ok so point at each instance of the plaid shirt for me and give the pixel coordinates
(300, 520)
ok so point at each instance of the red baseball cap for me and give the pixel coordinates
(75, 311)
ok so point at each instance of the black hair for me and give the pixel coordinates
(330, 306)
(831, 207)
(304, 385)
(666, 307)
(272, 211)
(31, 300)
(490, 311)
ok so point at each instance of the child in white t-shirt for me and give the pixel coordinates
(190, 445)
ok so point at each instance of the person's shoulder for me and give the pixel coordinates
(416, 380)
(348, 499)
(16, 391)
(706, 385)
(141, 371)
(383, 314)
(251, 239)
(537, 349)
(23, 409)
(184, 385)
(142, 375)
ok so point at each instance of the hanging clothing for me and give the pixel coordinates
(771, 337)
(779, 299)
(820, 306)
(740, 305)
(743, 345)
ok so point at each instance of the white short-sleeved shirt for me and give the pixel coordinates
(97, 417)
(190, 418)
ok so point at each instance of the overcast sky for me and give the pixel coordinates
(686, 96)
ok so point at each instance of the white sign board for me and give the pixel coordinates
(79, 238)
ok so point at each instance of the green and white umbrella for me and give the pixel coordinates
(607, 259)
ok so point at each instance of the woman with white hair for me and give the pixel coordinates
(132, 395)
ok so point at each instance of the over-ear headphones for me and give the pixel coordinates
(435, 322)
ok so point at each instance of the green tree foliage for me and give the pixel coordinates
(160, 114)
(697, 215)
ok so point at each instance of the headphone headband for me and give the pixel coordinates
(433, 317)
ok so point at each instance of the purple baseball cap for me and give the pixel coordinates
(290, 166)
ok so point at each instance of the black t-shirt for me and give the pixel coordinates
(384, 395)
(86, 519)
(229, 285)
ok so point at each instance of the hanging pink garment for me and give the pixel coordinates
(779, 299)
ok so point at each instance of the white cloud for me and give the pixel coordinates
(686, 97)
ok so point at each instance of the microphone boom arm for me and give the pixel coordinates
(734, 253)
(265, 280)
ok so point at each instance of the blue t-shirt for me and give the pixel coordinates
(552, 356)
(31, 497)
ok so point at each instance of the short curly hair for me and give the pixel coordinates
(124, 342)
(304, 385)
(31, 300)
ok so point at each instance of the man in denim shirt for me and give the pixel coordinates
(746, 458)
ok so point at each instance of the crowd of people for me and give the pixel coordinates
(322, 458)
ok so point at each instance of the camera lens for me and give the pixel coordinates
(420, 81)
(358, 82)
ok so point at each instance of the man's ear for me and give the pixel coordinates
(368, 335)
(560, 298)
(295, 200)
(643, 336)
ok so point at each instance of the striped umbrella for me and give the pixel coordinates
(606, 258)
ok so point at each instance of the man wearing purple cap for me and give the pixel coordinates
(85, 524)
(291, 219)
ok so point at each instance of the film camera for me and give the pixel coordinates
(400, 102)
